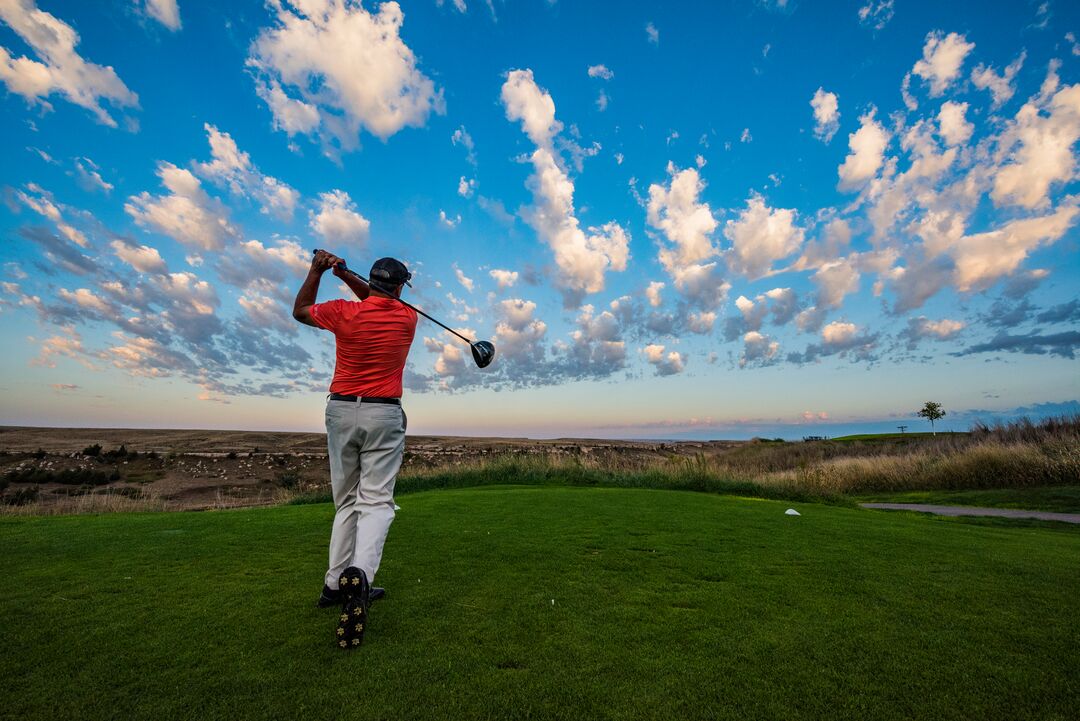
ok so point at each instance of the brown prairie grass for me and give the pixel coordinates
(89, 503)
(1016, 455)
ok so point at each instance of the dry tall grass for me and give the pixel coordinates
(1016, 455)
(89, 503)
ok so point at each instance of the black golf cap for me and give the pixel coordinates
(390, 272)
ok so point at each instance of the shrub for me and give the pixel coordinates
(232, 455)
(289, 480)
(22, 497)
(120, 452)
(94, 450)
(70, 476)
(39, 453)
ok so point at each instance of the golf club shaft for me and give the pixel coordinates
(407, 304)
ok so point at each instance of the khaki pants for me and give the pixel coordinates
(365, 442)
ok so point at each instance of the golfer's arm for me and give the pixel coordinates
(357, 286)
(305, 298)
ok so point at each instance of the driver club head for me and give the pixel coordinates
(483, 352)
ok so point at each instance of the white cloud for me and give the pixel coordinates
(451, 359)
(653, 293)
(165, 12)
(265, 313)
(448, 221)
(465, 187)
(836, 239)
(826, 114)
(84, 298)
(600, 71)
(42, 203)
(905, 93)
(701, 323)
(835, 281)
(867, 154)
(582, 259)
(62, 70)
(504, 278)
(187, 292)
(652, 33)
(142, 258)
(42, 154)
(1039, 146)
(233, 167)
(290, 114)
(1071, 38)
(761, 235)
(466, 282)
(941, 329)
(602, 101)
(186, 214)
(461, 137)
(1000, 86)
(876, 13)
(277, 263)
(518, 335)
(781, 302)
(68, 345)
(337, 220)
(687, 224)
(894, 197)
(597, 348)
(349, 65)
(838, 334)
(943, 55)
(88, 177)
(524, 100)
(459, 5)
(810, 320)
(666, 364)
(758, 349)
(984, 257)
(140, 356)
(955, 128)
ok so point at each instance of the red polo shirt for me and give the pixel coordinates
(372, 338)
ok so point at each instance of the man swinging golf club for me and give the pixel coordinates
(365, 425)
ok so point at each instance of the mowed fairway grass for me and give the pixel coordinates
(562, 603)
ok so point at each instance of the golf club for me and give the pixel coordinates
(483, 352)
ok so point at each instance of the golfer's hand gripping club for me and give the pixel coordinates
(483, 352)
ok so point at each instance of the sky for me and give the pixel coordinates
(677, 220)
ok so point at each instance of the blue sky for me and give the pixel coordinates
(711, 220)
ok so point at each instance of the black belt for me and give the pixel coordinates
(365, 399)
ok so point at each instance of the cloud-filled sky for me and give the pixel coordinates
(690, 220)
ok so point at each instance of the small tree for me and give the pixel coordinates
(931, 412)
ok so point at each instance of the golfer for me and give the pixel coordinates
(365, 425)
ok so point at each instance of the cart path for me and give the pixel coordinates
(975, 511)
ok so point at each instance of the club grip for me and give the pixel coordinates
(339, 265)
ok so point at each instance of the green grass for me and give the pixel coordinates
(897, 436)
(682, 474)
(1061, 499)
(666, 605)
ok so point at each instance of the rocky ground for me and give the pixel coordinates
(90, 469)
